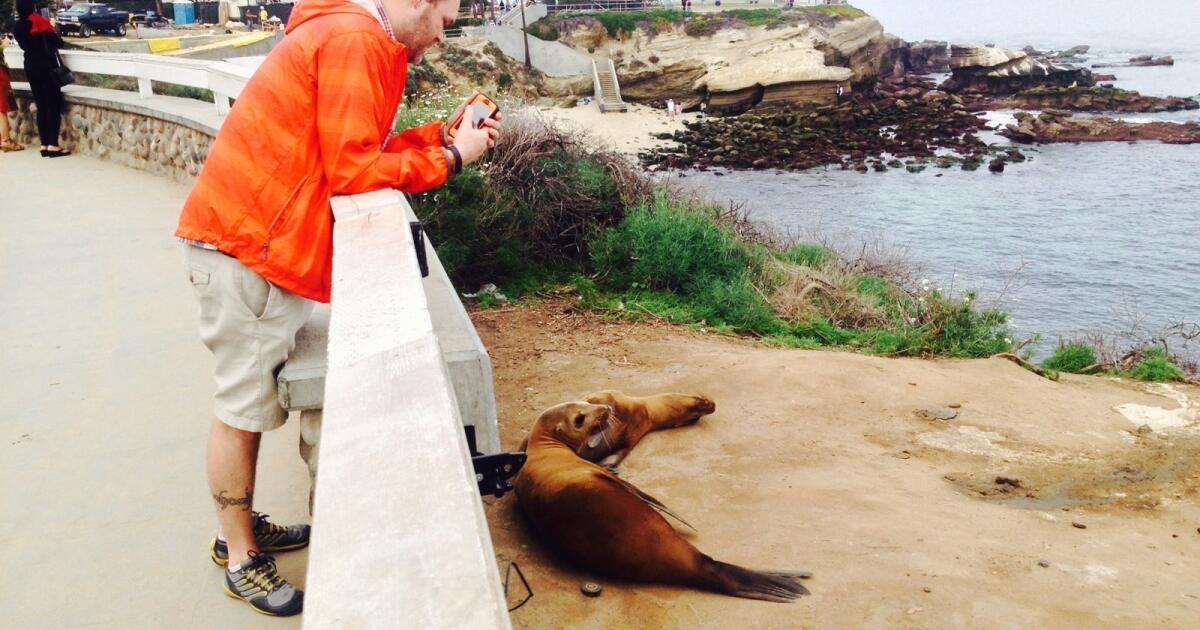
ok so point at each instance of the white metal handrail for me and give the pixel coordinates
(225, 80)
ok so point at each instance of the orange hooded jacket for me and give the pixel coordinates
(311, 123)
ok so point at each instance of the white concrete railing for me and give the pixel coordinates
(415, 552)
(533, 13)
(224, 79)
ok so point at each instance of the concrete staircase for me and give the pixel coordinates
(607, 90)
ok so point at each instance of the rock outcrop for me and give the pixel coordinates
(1140, 60)
(995, 71)
(734, 69)
(926, 57)
(1089, 99)
(1061, 126)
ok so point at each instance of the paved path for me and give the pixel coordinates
(104, 406)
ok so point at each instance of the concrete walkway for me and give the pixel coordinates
(104, 409)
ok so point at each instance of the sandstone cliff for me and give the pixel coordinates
(800, 62)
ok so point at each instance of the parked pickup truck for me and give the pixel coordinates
(88, 18)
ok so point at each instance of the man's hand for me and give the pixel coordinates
(455, 116)
(472, 143)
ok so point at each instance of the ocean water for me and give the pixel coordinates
(1080, 239)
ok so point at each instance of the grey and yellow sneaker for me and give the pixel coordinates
(257, 583)
(269, 536)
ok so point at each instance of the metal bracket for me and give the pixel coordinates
(418, 237)
(493, 473)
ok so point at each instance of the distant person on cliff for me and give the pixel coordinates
(315, 120)
(838, 93)
(35, 35)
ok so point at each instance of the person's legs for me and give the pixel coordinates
(41, 98)
(250, 326)
(54, 124)
(232, 462)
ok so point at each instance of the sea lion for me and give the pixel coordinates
(639, 415)
(608, 526)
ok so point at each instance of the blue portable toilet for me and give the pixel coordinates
(185, 13)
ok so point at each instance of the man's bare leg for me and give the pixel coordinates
(232, 459)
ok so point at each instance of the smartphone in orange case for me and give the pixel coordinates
(479, 108)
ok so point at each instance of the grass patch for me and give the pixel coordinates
(756, 17)
(839, 10)
(618, 22)
(1156, 366)
(1071, 357)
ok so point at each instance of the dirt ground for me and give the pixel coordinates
(1039, 505)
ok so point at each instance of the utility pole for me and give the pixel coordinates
(525, 34)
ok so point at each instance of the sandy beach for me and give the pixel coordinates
(626, 132)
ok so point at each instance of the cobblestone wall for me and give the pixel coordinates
(157, 145)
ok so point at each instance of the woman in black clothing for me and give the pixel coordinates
(36, 36)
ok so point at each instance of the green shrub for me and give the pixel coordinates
(664, 245)
(544, 31)
(702, 26)
(1071, 357)
(617, 22)
(1156, 366)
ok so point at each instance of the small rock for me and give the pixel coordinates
(914, 610)
(996, 165)
(955, 405)
(1045, 564)
(1144, 430)
(940, 413)
(927, 589)
(1008, 481)
(591, 589)
(1078, 525)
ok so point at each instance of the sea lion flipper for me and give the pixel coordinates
(649, 500)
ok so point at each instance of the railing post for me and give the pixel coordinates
(145, 88)
(222, 102)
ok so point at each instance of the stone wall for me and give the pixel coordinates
(143, 139)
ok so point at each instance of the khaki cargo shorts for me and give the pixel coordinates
(250, 326)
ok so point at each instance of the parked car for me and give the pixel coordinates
(150, 18)
(88, 18)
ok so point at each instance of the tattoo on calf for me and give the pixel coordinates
(242, 502)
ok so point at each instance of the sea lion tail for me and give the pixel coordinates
(738, 581)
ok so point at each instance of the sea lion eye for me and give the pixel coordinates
(579, 421)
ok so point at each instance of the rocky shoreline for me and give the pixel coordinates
(901, 123)
(1053, 125)
(1083, 99)
(903, 120)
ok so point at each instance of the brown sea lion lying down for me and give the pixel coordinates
(634, 417)
(606, 525)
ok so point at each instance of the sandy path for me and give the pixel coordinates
(815, 460)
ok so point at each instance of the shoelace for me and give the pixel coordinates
(262, 573)
(263, 526)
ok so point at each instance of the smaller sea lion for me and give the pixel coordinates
(608, 526)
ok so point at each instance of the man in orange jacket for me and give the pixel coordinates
(316, 120)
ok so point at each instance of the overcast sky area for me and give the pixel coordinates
(1152, 25)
